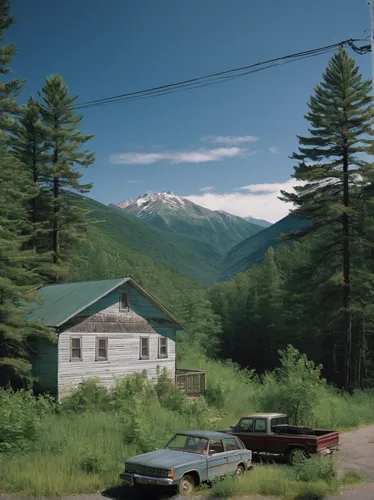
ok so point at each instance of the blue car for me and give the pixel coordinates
(189, 459)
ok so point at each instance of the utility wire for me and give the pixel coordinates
(219, 77)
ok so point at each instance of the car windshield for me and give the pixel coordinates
(192, 444)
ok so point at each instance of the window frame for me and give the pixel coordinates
(231, 439)
(76, 337)
(121, 302)
(166, 355)
(213, 441)
(97, 349)
(243, 419)
(255, 425)
(141, 356)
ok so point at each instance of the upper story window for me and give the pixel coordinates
(76, 349)
(123, 302)
(162, 347)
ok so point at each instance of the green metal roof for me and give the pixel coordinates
(56, 304)
(61, 302)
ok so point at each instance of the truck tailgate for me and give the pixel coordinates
(329, 440)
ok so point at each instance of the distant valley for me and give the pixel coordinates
(205, 245)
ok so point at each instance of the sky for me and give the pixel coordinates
(226, 146)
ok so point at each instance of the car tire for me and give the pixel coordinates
(239, 473)
(186, 485)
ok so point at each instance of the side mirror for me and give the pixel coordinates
(212, 452)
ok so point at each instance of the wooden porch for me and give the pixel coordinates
(192, 382)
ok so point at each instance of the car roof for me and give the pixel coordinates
(206, 434)
(265, 415)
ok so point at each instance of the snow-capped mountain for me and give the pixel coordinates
(175, 213)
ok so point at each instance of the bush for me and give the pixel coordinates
(312, 469)
(21, 419)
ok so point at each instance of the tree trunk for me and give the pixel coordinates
(55, 227)
(346, 275)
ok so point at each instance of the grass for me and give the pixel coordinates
(278, 480)
(49, 450)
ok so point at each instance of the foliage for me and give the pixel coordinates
(21, 419)
(63, 156)
(295, 387)
(334, 178)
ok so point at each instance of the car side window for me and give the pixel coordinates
(260, 425)
(217, 446)
(246, 424)
(230, 444)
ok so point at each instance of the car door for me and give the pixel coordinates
(232, 450)
(252, 432)
(216, 459)
(244, 431)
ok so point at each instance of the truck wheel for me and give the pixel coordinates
(294, 453)
(186, 485)
(239, 473)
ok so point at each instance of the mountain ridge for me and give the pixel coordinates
(177, 214)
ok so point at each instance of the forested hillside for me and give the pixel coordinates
(188, 256)
(252, 250)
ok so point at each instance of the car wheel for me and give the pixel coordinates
(239, 473)
(186, 485)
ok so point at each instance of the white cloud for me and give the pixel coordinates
(229, 139)
(259, 200)
(197, 156)
(206, 189)
(273, 149)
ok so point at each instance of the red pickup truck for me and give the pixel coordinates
(269, 433)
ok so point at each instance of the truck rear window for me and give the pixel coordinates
(278, 421)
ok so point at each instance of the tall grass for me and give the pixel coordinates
(80, 446)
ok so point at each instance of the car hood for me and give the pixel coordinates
(166, 459)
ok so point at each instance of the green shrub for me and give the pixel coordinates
(21, 419)
(89, 396)
(311, 469)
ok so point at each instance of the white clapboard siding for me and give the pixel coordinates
(123, 346)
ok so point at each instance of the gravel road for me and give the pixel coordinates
(356, 454)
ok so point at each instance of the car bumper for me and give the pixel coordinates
(131, 477)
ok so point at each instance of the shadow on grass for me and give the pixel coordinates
(139, 493)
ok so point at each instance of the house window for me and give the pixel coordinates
(101, 348)
(123, 302)
(75, 348)
(162, 347)
(144, 348)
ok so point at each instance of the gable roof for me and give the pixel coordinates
(57, 304)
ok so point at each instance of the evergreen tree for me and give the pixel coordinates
(17, 279)
(28, 145)
(63, 142)
(333, 173)
(10, 89)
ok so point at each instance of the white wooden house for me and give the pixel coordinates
(106, 329)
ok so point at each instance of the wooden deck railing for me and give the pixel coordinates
(192, 382)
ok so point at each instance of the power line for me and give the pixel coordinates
(219, 77)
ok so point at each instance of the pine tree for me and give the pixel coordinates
(8, 90)
(64, 141)
(17, 280)
(28, 145)
(333, 173)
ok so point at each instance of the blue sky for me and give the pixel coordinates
(187, 141)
